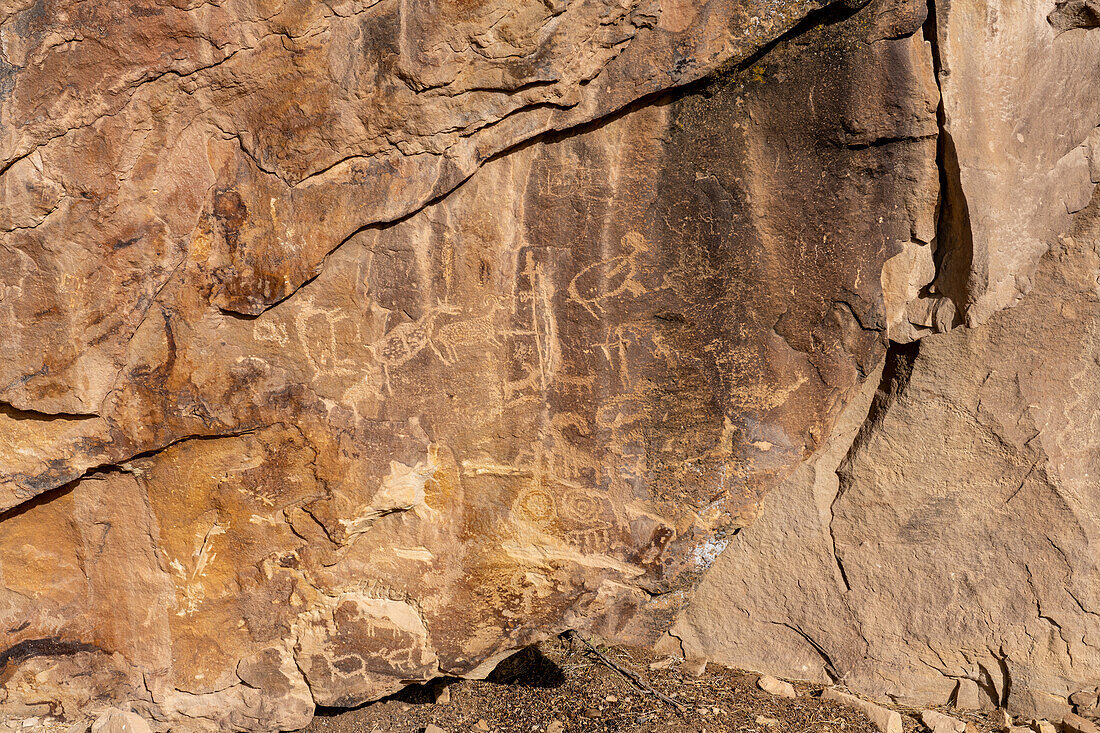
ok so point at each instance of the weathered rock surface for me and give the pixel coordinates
(318, 382)
(1076, 724)
(119, 721)
(1020, 112)
(967, 695)
(887, 721)
(938, 722)
(249, 138)
(345, 345)
(777, 687)
(956, 548)
(942, 543)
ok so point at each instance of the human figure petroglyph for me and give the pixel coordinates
(614, 350)
(544, 324)
(637, 338)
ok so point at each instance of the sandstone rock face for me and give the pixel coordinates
(248, 139)
(348, 345)
(969, 558)
(1020, 109)
(943, 540)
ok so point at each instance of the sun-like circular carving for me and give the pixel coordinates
(536, 504)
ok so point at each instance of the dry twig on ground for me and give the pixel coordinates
(634, 677)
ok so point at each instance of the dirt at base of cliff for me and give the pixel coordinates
(561, 686)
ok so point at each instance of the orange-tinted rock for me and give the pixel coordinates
(355, 390)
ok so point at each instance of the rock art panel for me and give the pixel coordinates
(253, 137)
(919, 570)
(542, 401)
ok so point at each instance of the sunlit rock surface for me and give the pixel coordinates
(348, 345)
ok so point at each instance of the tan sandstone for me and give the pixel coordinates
(887, 721)
(776, 687)
(352, 344)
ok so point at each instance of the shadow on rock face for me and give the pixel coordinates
(529, 668)
(414, 694)
(1070, 14)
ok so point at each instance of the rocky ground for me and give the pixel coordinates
(562, 686)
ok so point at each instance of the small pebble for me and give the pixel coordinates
(432, 728)
(444, 696)
(591, 713)
(770, 722)
(555, 727)
(663, 663)
(611, 698)
(482, 725)
(694, 667)
(776, 687)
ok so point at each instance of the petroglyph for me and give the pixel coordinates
(536, 504)
(478, 332)
(404, 341)
(539, 296)
(607, 280)
(363, 646)
(590, 520)
(463, 398)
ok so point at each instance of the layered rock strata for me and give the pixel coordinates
(347, 345)
(330, 366)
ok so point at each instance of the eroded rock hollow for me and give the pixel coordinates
(345, 345)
